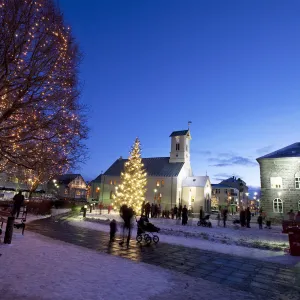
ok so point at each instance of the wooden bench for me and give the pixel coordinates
(19, 222)
(287, 224)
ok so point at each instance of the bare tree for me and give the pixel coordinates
(42, 124)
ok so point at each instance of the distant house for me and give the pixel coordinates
(68, 187)
(280, 180)
(225, 196)
(94, 189)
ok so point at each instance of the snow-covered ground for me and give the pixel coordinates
(210, 238)
(34, 267)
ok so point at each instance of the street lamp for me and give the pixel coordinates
(247, 194)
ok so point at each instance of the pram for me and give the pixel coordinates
(204, 222)
(145, 231)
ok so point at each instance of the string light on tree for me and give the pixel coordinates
(132, 188)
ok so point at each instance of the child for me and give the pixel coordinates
(219, 218)
(113, 230)
(260, 221)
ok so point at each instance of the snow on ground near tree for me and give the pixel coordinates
(35, 267)
(233, 249)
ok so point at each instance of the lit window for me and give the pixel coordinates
(98, 190)
(111, 182)
(297, 181)
(66, 191)
(115, 182)
(159, 197)
(276, 182)
(157, 183)
(277, 206)
(162, 183)
(78, 193)
(111, 195)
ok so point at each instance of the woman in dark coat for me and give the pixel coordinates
(184, 215)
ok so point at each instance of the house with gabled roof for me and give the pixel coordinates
(280, 180)
(165, 177)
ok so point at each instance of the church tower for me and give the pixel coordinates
(180, 146)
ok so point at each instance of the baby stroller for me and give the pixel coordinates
(204, 222)
(145, 231)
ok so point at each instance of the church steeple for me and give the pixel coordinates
(180, 146)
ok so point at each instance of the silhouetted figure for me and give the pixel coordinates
(179, 211)
(175, 211)
(184, 215)
(225, 212)
(152, 210)
(147, 209)
(113, 230)
(126, 214)
(243, 218)
(143, 208)
(248, 217)
(201, 213)
(260, 221)
(18, 202)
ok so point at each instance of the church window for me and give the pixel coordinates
(111, 195)
(277, 206)
(98, 190)
(177, 146)
(157, 183)
(162, 183)
(111, 182)
(297, 180)
(276, 182)
(115, 182)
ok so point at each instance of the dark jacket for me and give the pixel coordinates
(18, 200)
(248, 214)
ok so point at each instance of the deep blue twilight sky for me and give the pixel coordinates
(231, 67)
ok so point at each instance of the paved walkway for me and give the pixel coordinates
(260, 278)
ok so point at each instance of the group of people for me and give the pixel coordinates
(294, 217)
(151, 210)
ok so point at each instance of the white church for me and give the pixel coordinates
(170, 179)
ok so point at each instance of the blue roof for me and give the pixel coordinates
(154, 166)
(289, 151)
(179, 133)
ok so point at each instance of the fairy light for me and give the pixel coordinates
(41, 121)
(132, 189)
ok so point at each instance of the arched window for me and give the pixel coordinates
(297, 180)
(111, 195)
(277, 205)
(157, 183)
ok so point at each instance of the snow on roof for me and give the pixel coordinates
(195, 181)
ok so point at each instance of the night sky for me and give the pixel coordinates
(149, 67)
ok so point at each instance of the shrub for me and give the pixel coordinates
(41, 207)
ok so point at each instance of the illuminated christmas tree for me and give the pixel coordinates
(132, 188)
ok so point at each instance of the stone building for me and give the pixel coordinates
(280, 181)
(168, 178)
(225, 196)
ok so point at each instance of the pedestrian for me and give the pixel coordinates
(225, 212)
(297, 218)
(291, 215)
(143, 208)
(201, 213)
(18, 202)
(175, 211)
(126, 214)
(152, 210)
(147, 209)
(248, 217)
(219, 218)
(179, 211)
(172, 213)
(260, 221)
(184, 215)
(243, 217)
(113, 230)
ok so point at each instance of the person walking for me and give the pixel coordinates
(179, 211)
(225, 212)
(175, 211)
(243, 218)
(113, 230)
(248, 217)
(260, 221)
(147, 209)
(126, 214)
(184, 215)
(18, 203)
(201, 213)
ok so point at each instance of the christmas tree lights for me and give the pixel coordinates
(132, 188)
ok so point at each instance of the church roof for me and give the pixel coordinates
(195, 181)
(289, 151)
(154, 166)
(178, 133)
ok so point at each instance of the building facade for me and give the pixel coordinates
(225, 196)
(166, 178)
(280, 181)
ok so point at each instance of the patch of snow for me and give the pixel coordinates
(36, 267)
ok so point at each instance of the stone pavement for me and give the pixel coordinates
(263, 279)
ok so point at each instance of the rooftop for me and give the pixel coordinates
(195, 181)
(179, 133)
(154, 166)
(289, 151)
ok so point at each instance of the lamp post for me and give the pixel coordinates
(247, 194)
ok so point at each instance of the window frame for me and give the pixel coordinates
(277, 202)
(297, 181)
(276, 186)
